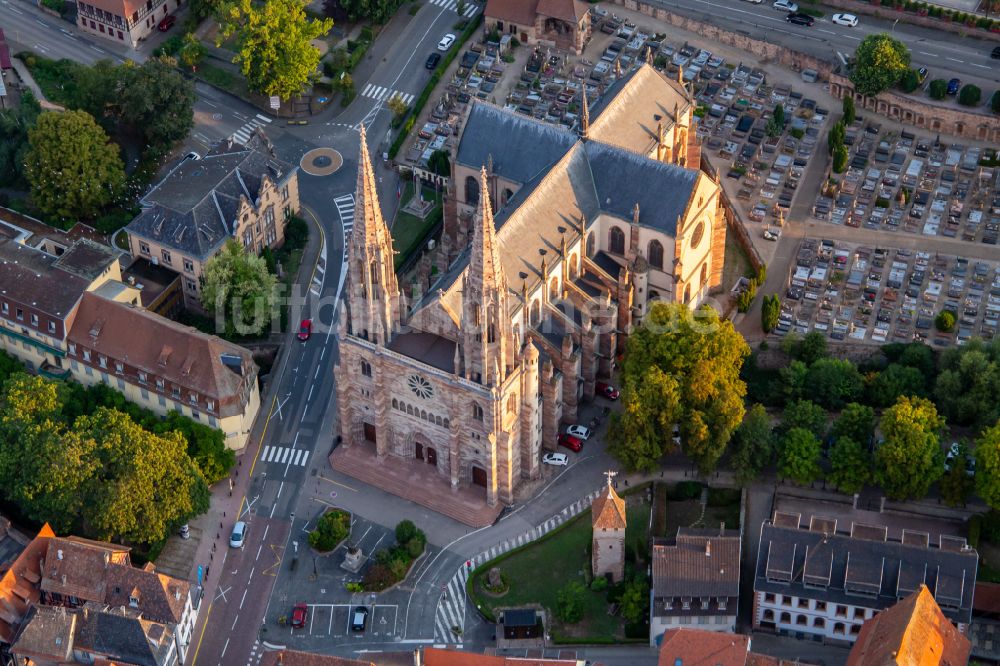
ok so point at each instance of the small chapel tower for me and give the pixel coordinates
(608, 547)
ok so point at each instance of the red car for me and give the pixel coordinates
(167, 23)
(305, 329)
(607, 390)
(300, 615)
(570, 442)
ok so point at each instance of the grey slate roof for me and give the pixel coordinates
(192, 210)
(521, 147)
(120, 635)
(697, 563)
(32, 277)
(877, 573)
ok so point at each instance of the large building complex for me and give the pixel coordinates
(550, 255)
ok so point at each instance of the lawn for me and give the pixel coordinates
(537, 572)
(737, 263)
(409, 231)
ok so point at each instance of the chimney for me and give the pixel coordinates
(59, 554)
(708, 547)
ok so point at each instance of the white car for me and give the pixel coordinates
(850, 20)
(786, 6)
(558, 459)
(239, 535)
(772, 235)
(580, 432)
(193, 156)
(446, 42)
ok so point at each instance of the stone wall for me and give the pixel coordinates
(921, 114)
(762, 49)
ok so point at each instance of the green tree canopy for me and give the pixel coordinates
(799, 457)
(15, 124)
(770, 312)
(73, 170)
(850, 114)
(680, 368)
(879, 63)
(239, 290)
(804, 414)
(754, 445)
(856, 422)
(988, 466)
(833, 382)
(896, 380)
(192, 52)
(910, 459)
(276, 54)
(850, 465)
(156, 101)
(956, 484)
(969, 382)
(376, 11)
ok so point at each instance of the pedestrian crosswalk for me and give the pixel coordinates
(452, 5)
(345, 206)
(243, 134)
(449, 620)
(284, 455)
(383, 94)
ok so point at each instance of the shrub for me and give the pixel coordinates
(296, 233)
(945, 321)
(995, 102)
(332, 528)
(938, 89)
(569, 602)
(378, 577)
(415, 547)
(839, 159)
(850, 114)
(599, 584)
(687, 490)
(55, 5)
(975, 527)
(170, 46)
(405, 531)
(910, 81)
(970, 95)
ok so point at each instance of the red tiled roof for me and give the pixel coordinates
(296, 658)
(570, 11)
(521, 12)
(914, 632)
(695, 647)
(987, 598)
(16, 591)
(439, 657)
(608, 511)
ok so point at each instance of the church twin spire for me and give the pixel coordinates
(372, 291)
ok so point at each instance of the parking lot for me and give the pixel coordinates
(897, 181)
(867, 294)
(334, 621)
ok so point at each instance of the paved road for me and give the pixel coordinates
(944, 53)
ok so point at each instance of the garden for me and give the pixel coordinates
(331, 529)
(393, 564)
(555, 572)
(409, 231)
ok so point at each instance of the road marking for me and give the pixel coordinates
(243, 134)
(41, 23)
(309, 397)
(16, 10)
(214, 106)
(452, 5)
(337, 483)
(245, 590)
(222, 594)
(954, 60)
(932, 55)
(235, 620)
(259, 548)
(224, 649)
(975, 64)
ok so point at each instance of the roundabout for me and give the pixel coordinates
(321, 162)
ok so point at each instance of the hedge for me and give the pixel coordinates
(436, 77)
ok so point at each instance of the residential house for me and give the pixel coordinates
(696, 581)
(563, 24)
(913, 631)
(165, 366)
(234, 192)
(429, 656)
(297, 658)
(984, 632)
(123, 21)
(699, 647)
(102, 599)
(818, 581)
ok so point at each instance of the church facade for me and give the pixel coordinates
(554, 243)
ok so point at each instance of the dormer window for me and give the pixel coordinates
(119, 367)
(86, 355)
(52, 327)
(193, 398)
(72, 349)
(177, 392)
(142, 378)
(159, 384)
(133, 601)
(210, 405)
(102, 361)
(5, 308)
(34, 320)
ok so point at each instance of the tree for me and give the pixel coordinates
(793, 379)
(239, 290)
(910, 459)
(810, 348)
(879, 63)
(439, 163)
(680, 367)
(938, 89)
(144, 482)
(835, 137)
(192, 52)
(799, 457)
(332, 528)
(806, 415)
(770, 312)
(850, 465)
(73, 170)
(397, 106)
(157, 102)
(460, 7)
(834, 382)
(945, 321)
(956, 484)
(634, 602)
(896, 380)
(970, 95)
(967, 387)
(839, 159)
(776, 124)
(910, 80)
(15, 124)
(988, 466)
(569, 602)
(276, 54)
(345, 84)
(856, 422)
(850, 115)
(754, 445)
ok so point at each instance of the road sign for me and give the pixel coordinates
(275, 102)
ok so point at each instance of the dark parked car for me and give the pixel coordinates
(953, 86)
(359, 618)
(167, 23)
(432, 60)
(996, 53)
(800, 19)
